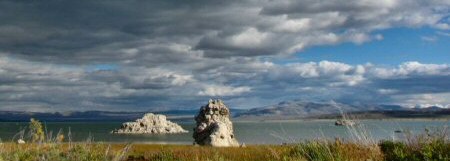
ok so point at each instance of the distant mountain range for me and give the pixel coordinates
(286, 110)
(69, 116)
(97, 115)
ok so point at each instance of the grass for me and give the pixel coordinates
(62, 151)
(41, 146)
(336, 151)
(317, 150)
(432, 145)
(189, 152)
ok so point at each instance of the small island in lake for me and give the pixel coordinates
(150, 124)
(342, 122)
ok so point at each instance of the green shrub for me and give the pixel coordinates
(436, 150)
(395, 151)
(36, 131)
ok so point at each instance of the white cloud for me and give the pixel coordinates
(424, 100)
(443, 33)
(220, 90)
(56, 87)
(295, 25)
(249, 38)
(416, 67)
(387, 91)
(328, 67)
(171, 54)
(429, 38)
(412, 68)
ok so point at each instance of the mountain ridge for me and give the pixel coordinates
(285, 110)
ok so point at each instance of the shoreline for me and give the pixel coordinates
(332, 120)
(245, 120)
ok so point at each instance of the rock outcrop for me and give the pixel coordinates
(20, 141)
(150, 124)
(214, 127)
(341, 122)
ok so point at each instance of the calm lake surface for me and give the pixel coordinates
(247, 132)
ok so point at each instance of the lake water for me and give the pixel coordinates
(247, 132)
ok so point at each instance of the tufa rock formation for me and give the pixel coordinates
(214, 127)
(20, 141)
(150, 124)
(342, 122)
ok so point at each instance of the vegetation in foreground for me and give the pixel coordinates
(432, 146)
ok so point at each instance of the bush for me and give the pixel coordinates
(36, 131)
(436, 150)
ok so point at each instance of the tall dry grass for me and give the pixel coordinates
(44, 146)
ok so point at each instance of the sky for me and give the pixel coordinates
(136, 55)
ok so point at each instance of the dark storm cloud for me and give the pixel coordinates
(74, 31)
(67, 32)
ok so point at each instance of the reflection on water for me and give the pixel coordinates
(247, 132)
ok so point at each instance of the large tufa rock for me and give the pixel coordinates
(214, 127)
(150, 124)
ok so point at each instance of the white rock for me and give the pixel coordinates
(344, 123)
(150, 124)
(214, 127)
(20, 141)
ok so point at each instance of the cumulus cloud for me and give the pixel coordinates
(173, 55)
(216, 90)
(424, 100)
(413, 68)
(29, 85)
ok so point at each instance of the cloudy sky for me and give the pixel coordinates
(140, 55)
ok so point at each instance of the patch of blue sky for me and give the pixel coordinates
(105, 67)
(425, 45)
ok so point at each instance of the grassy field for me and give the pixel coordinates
(421, 149)
(429, 146)
(306, 151)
